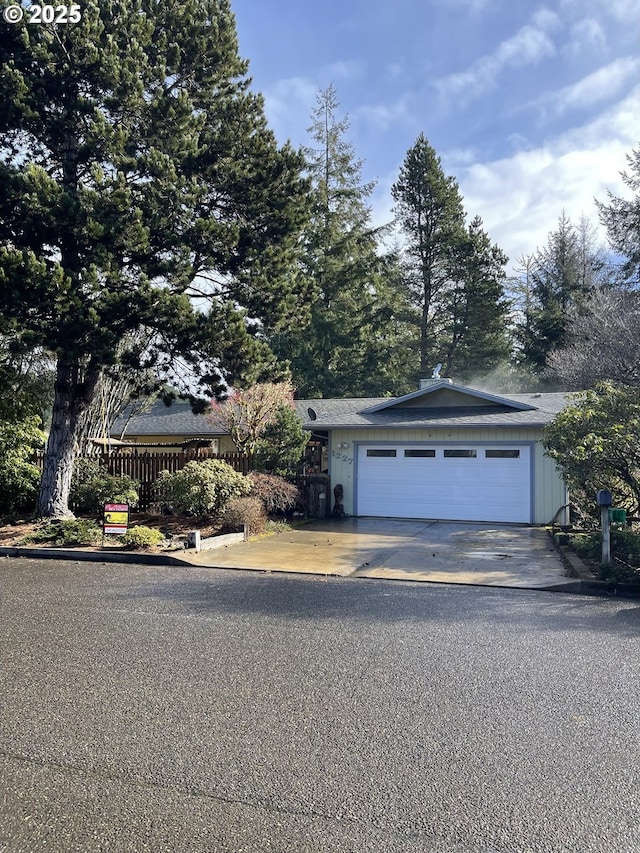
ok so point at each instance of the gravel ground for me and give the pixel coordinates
(171, 709)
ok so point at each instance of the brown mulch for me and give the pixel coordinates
(12, 532)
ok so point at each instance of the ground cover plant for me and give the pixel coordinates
(74, 531)
(625, 554)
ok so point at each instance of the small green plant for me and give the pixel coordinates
(142, 537)
(244, 511)
(92, 487)
(201, 488)
(73, 531)
(586, 545)
(618, 572)
(272, 526)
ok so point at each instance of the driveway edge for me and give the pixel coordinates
(584, 584)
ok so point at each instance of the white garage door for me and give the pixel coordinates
(456, 482)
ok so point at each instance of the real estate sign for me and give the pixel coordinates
(115, 518)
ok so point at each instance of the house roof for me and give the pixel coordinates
(176, 419)
(442, 405)
(447, 394)
(431, 410)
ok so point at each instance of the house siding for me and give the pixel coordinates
(159, 442)
(549, 491)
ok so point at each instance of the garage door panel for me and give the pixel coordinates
(494, 487)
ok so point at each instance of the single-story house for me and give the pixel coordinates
(170, 428)
(444, 451)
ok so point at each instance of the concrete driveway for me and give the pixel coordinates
(437, 551)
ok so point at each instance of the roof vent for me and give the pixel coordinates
(312, 413)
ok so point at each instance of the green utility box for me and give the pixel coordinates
(618, 516)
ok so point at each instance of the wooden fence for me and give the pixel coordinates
(146, 466)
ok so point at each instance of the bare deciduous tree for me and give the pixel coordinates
(604, 342)
(246, 413)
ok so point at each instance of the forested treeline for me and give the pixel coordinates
(382, 318)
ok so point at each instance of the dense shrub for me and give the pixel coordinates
(277, 494)
(74, 531)
(92, 487)
(595, 442)
(19, 477)
(280, 448)
(142, 537)
(625, 553)
(248, 511)
(201, 488)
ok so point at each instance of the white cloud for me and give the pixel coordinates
(380, 117)
(521, 197)
(586, 35)
(624, 11)
(528, 46)
(395, 70)
(288, 104)
(346, 69)
(602, 85)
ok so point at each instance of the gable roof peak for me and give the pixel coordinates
(439, 388)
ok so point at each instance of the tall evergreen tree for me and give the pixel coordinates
(136, 171)
(561, 274)
(391, 346)
(332, 355)
(477, 340)
(621, 218)
(430, 216)
(26, 380)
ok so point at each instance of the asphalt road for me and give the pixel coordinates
(171, 709)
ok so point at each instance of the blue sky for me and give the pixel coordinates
(532, 107)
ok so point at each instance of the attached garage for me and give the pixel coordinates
(445, 451)
(455, 481)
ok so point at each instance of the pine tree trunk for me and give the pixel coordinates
(74, 390)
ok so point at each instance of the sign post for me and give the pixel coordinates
(115, 519)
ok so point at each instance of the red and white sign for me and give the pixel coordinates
(116, 518)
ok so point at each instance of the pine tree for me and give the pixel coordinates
(621, 218)
(331, 357)
(430, 216)
(136, 171)
(477, 338)
(562, 274)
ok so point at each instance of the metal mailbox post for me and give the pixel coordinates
(603, 497)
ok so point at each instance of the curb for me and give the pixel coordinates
(95, 556)
(584, 584)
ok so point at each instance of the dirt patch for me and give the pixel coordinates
(12, 533)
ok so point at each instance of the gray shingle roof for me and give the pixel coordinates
(178, 419)
(356, 413)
